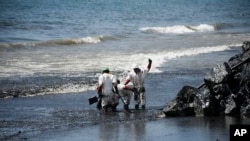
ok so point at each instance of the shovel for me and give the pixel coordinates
(93, 100)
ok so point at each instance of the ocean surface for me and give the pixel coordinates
(63, 45)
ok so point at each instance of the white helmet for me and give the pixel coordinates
(135, 66)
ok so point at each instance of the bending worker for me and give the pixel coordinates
(107, 90)
(137, 77)
(125, 91)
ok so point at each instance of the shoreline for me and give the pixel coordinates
(66, 116)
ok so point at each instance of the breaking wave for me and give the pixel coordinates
(162, 57)
(84, 76)
(180, 29)
(71, 41)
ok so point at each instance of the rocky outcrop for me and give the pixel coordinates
(226, 91)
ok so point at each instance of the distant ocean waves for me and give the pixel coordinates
(70, 41)
(182, 29)
(176, 29)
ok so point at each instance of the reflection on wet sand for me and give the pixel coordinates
(66, 117)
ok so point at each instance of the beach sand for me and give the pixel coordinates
(70, 117)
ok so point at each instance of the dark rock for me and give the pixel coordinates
(213, 107)
(245, 109)
(222, 89)
(246, 46)
(175, 108)
(218, 74)
(206, 104)
(187, 94)
(234, 60)
(183, 104)
(245, 75)
(226, 91)
(230, 107)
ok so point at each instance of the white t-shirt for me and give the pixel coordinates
(106, 80)
(137, 79)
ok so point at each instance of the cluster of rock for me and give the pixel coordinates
(226, 91)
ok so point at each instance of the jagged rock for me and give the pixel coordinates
(182, 105)
(226, 91)
(207, 104)
(245, 75)
(175, 108)
(201, 101)
(222, 89)
(230, 107)
(245, 109)
(187, 94)
(234, 60)
(218, 74)
(245, 46)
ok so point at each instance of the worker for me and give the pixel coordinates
(125, 92)
(107, 90)
(137, 77)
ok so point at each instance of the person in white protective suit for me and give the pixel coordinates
(107, 90)
(137, 77)
(125, 91)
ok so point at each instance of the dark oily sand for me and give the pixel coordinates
(47, 122)
(69, 117)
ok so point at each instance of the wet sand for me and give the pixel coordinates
(69, 117)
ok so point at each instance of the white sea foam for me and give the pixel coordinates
(71, 41)
(162, 57)
(90, 40)
(119, 62)
(179, 29)
(124, 63)
(203, 28)
(116, 62)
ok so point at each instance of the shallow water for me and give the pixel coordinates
(174, 129)
(69, 117)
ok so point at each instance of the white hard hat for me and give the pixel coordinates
(135, 66)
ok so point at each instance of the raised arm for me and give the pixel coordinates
(149, 64)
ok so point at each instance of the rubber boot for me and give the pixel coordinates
(105, 109)
(99, 104)
(143, 106)
(126, 108)
(137, 106)
(113, 107)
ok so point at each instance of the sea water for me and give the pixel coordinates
(66, 44)
(61, 46)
